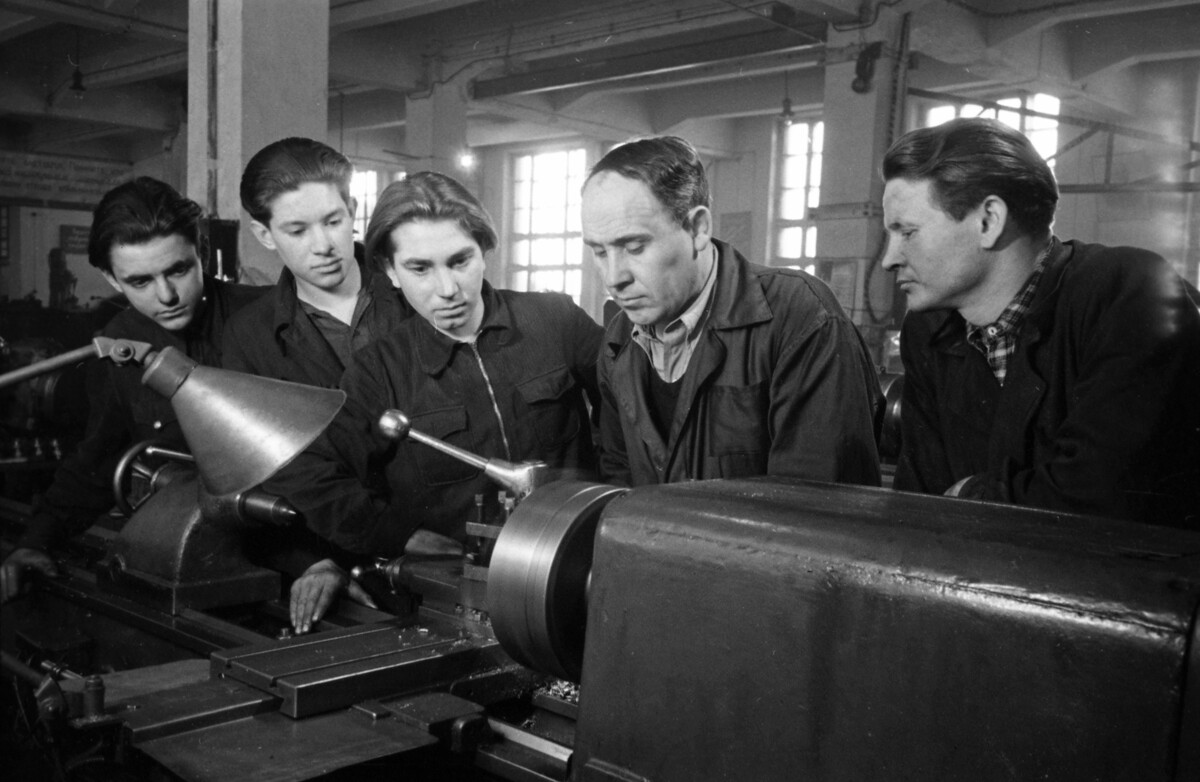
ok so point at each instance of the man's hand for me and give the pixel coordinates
(424, 542)
(314, 592)
(12, 572)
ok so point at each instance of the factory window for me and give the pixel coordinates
(801, 144)
(1042, 131)
(365, 187)
(546, 237)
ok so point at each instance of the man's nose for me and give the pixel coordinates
(447, 286)
(615, 271)
(166, 292)
(325, 242)
(891, 256)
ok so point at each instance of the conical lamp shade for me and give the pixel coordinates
(241, 428)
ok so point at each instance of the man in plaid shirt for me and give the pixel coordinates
(1058, 375)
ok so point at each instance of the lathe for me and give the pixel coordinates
(728, 630)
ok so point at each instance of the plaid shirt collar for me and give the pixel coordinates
(998, 340)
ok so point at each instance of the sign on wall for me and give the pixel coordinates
(52, 179)
(73, 239)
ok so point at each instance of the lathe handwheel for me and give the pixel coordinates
(537, 580)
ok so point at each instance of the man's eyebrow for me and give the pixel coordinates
(298, 223)
(620, 241)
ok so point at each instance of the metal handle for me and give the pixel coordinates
(520, 479)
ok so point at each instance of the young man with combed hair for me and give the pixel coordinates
(1058, 375)
(327, 303)
(147, 241)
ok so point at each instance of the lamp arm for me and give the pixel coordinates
(120, 351)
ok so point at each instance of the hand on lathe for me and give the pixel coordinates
(314, 592)
(12, 572)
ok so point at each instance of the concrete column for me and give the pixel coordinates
(860, 121)
(435, 130)
(257, 72)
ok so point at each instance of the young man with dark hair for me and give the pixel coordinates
(326, 305)
(146, 240)
(1058, 375)
(327, 302)
(716, 368)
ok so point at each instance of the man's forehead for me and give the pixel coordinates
(151, 258)
(609, 197)
(310, 200)
(908, 196)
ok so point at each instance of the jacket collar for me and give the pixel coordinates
(287, 301)
(435, 350)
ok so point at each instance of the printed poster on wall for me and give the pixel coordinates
(27, 177)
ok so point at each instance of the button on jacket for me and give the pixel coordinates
(780, 383)
(121, 412)
(517, 393)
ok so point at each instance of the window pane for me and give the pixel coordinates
(819, 138)
(939, 114)
(574, 284)
(795, 171)
(551, 166)
(521, 221)
(547, 280)
(548, 252)
(549, 220)
(791, 205)
(578, 163)
(519, 280)
(797, 139)
(810, 243)
(521, 197)
(523, 168)
(791, 242)
(574, 256)
(520, 255)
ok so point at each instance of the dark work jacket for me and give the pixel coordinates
(368, 494)
(122, 412)
(780, 383)
(1100, 409)
(275, 338)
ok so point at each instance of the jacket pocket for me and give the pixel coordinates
(737, 433)
(553, 406)
(449, 425)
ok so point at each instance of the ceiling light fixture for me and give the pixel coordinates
(77, 75)
(786, 116)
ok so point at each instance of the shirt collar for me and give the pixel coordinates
(1014, 313)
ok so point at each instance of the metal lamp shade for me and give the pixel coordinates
(241, 428)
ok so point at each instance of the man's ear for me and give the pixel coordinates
(112, 281)
(262, 234)
(699, 224)
(392, 275)
(993, 219)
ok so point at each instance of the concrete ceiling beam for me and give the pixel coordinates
(165, 21)
(356, 14)
(15, 25)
